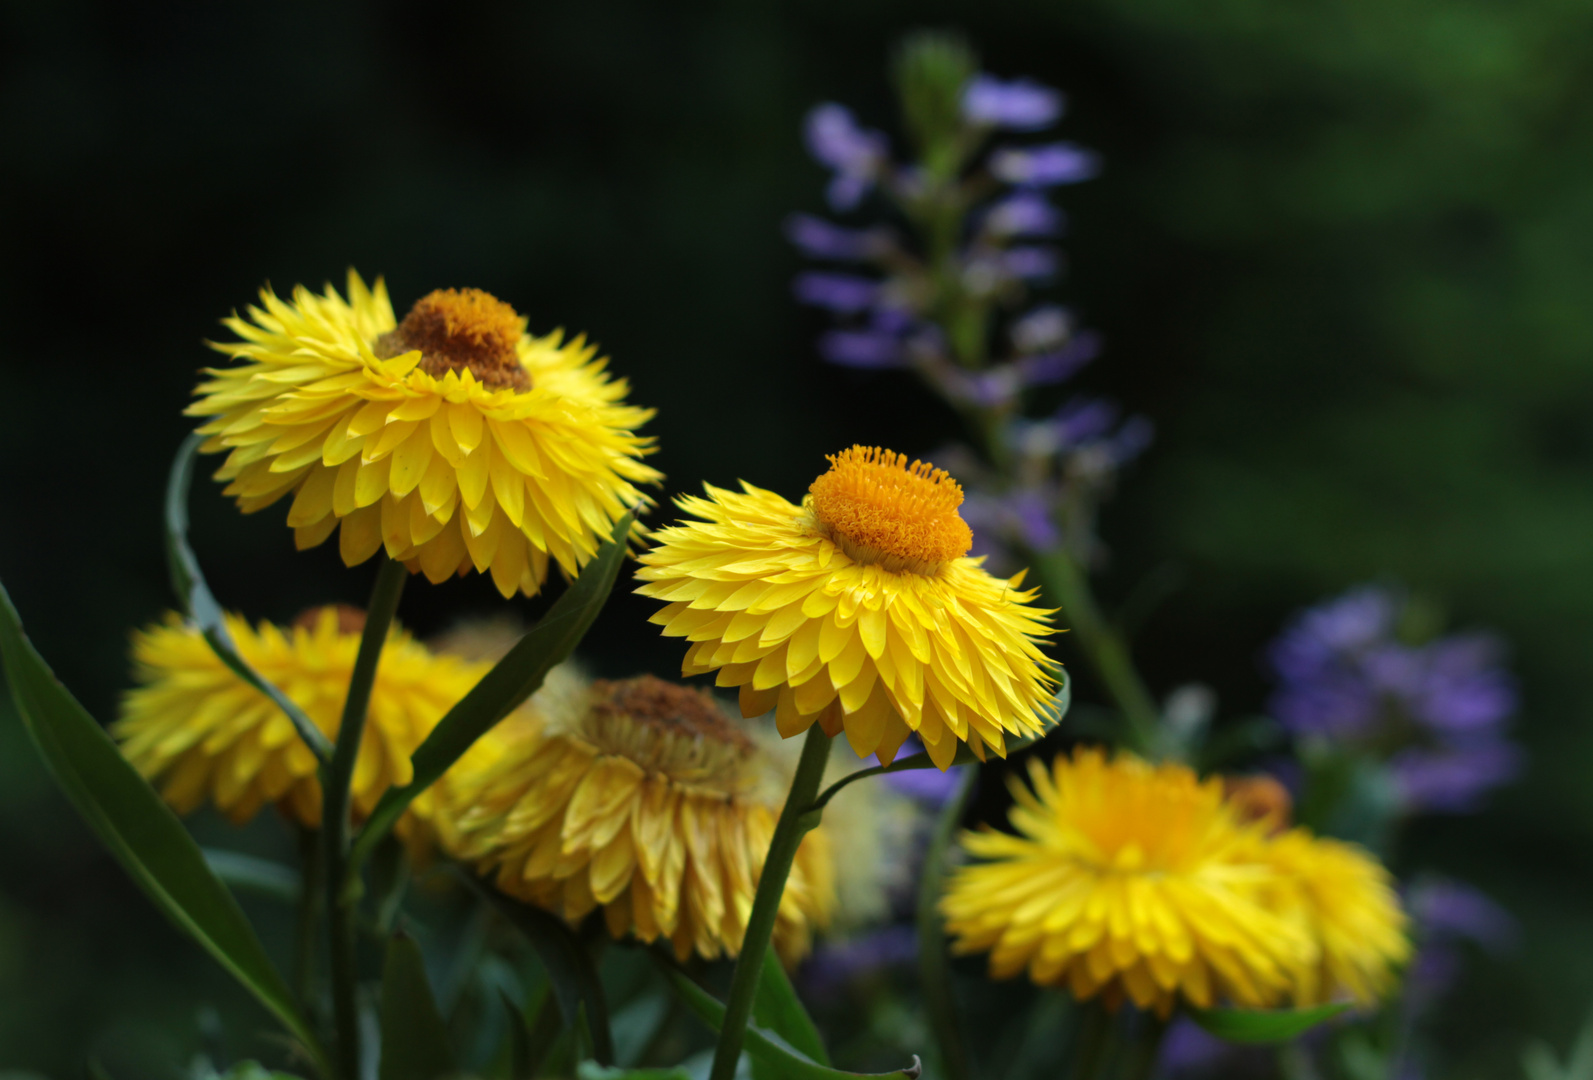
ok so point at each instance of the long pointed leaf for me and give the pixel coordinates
(516, 677)
(766, 1046)
(778, 1008)
(200, 605)
(576, 986)
(139, 829)
(414, 1036)
(1264, 1025)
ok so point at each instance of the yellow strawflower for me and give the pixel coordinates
(1126, 879)
(642, 797)
(858, 609)
(453, 438)
(200, 733)
(1345, 901)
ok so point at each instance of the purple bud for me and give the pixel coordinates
(1059, 364)
(1017, 105)
(861, 349)
(1030, 262)
(1044, 166)
(842, 293)
(1084, 418)
(1043, 328)
(819, 239)
(1452, 779)
(1452, 909)
(1026, 213)
(857, 155)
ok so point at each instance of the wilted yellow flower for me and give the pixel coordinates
(643, 797)
(1344, 899)
(858, 609)
(199, 732)
(1126, 878)
(453, 438)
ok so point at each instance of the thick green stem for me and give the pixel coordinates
(934, 971)
(796, 818)
(1065, 585)
(343, 896)
(309, 918)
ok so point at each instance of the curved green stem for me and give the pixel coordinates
(933, 968)
(796, 818)
(1064, 582)
(342, 897)
(309, 917)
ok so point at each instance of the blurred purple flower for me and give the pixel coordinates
(1015, 104)
(819, 239)
(844, 293)
(1026, 213)
(856, 155)
(1059, 364)
(929, 786)
(1044, 166)
(1045, 327)
(1030, 262)
(1453, 779)
(1444, 908)
(862, 349)
(1436, 711)
(834, 964)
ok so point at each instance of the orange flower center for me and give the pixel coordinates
(462, 329)
(879, 509)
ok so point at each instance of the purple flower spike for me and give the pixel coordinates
(861, 349)
(855, 154)
(1044, 166)
(1059, 364)
(1451, 909)
(1017, 104)
(834, 964)
(1043, 328)
(1026, 213)
(837, 292)
(819, 239)
(1453, 779)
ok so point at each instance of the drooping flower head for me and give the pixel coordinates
(642, 797)
(1126, 879)
(1344, 900)
(194, 728)
(453, 438)
(1435, 709)
(857, 609)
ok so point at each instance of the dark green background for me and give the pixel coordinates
(1340, 254)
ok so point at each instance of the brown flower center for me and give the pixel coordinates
(669, 729)
(462, 329)
(350, 619)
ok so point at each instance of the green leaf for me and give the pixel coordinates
(515, 678)
(414, 1037)
(576, 987)
(261, 876)
(139, 829)
(591, 1070)
(778, 1008)
(1264, 1025)
(200, 605)
(520, 1063)
(766, 1046)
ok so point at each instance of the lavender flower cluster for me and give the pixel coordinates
(977, 243)
(1436, 710)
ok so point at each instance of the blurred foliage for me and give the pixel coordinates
(1339, 254)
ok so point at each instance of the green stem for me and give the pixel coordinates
(1095, 1036)
(1145, 1050)
(304, 933)
(343, 896)
(796, 818)
(1066, 586)
(934, 970)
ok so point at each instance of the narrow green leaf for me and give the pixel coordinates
(199, 603)
(137, 827)
(249, 874)
(520, 1063)
(766, 1046)
(576, 986)
(778, 1008)
(414, 1036)
(515, 678)
(1264, 1025)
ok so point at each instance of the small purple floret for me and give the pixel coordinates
(844, 293)
(1044, 166)
(856, 154)
(1015, 104)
